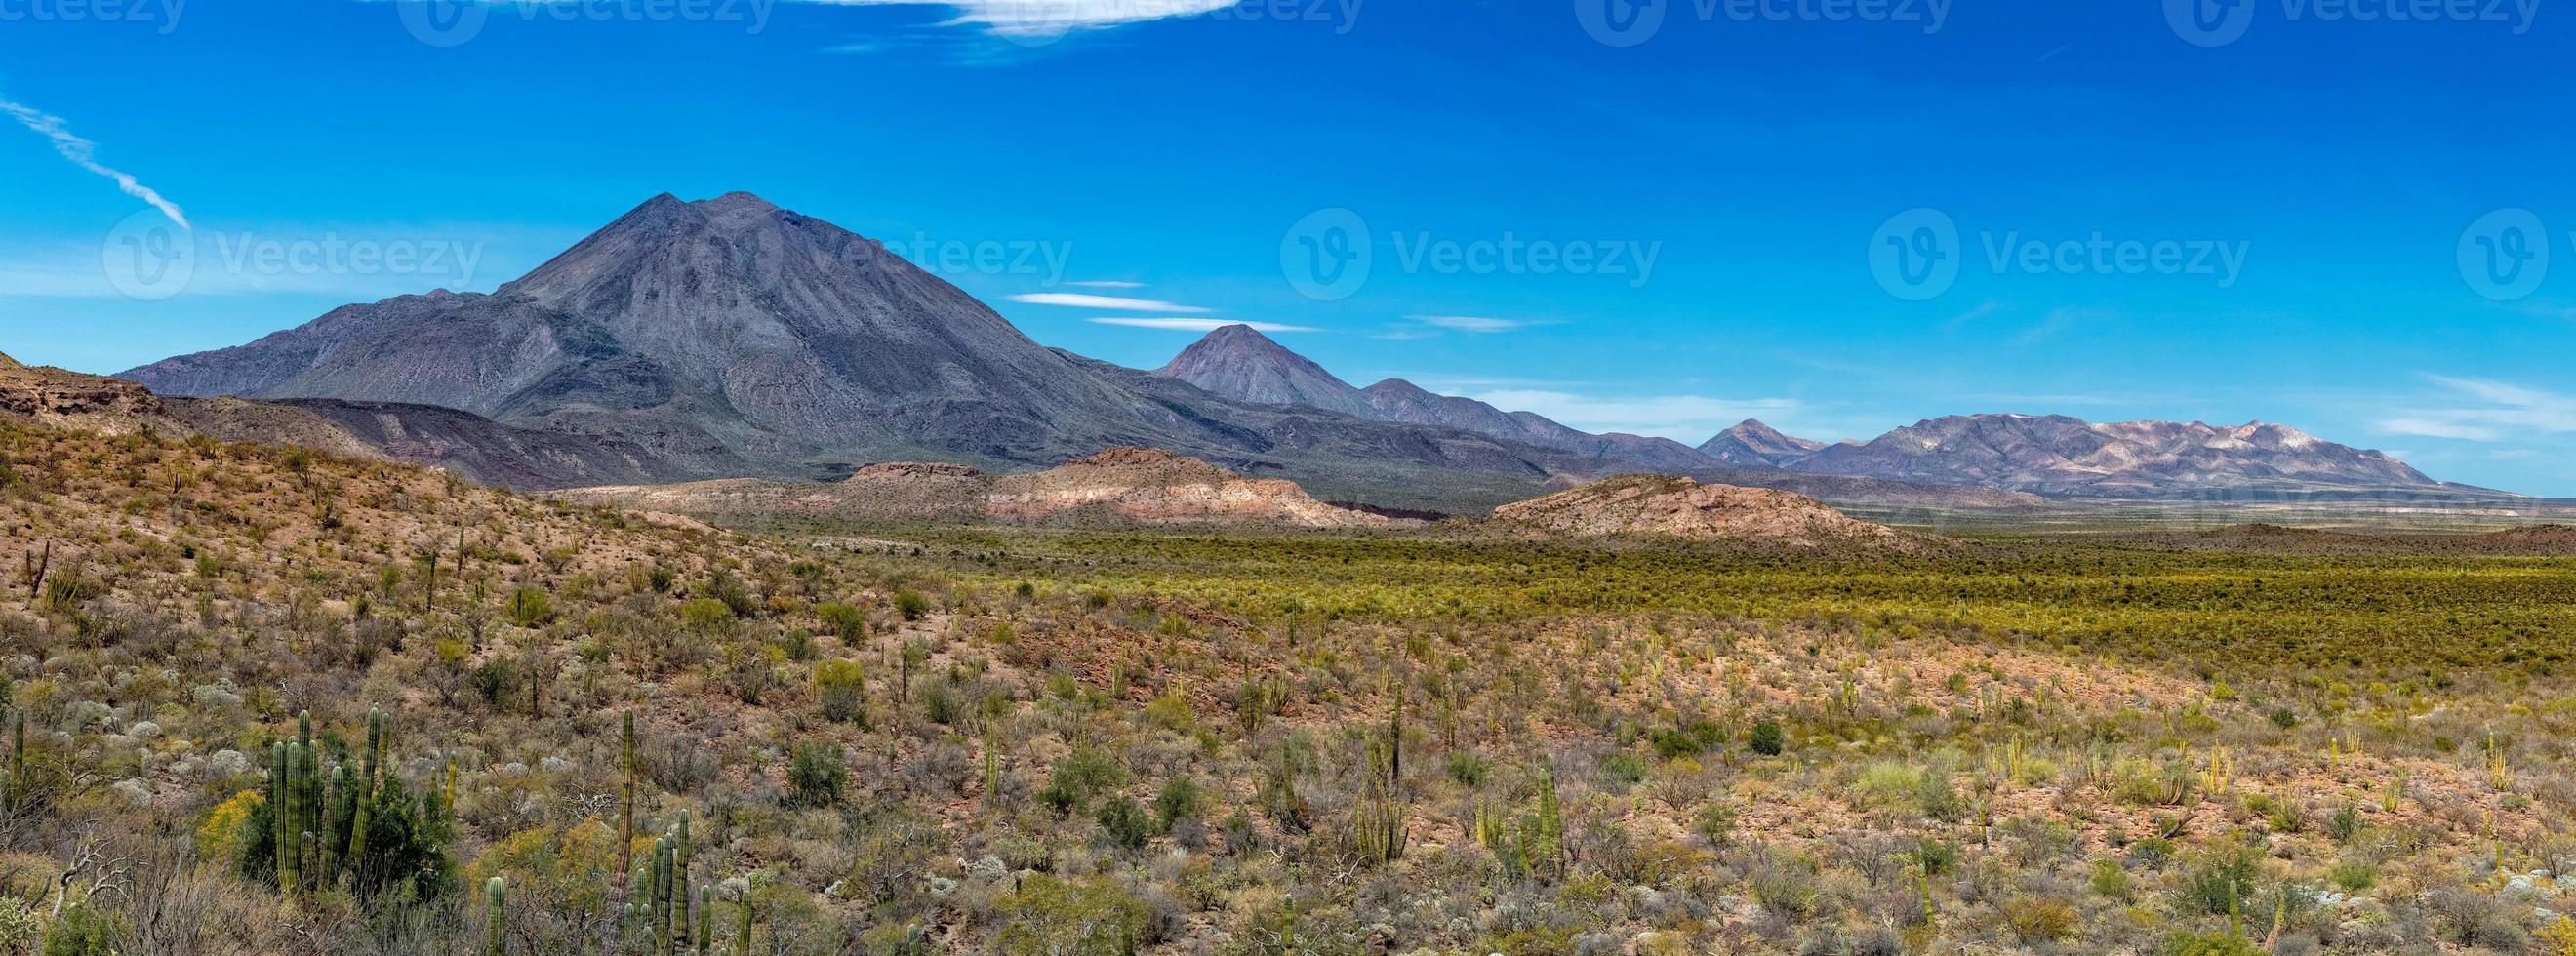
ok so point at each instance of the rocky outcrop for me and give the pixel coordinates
(1684, 508)
(60, 399)
(1155, 487)
(1119, 486)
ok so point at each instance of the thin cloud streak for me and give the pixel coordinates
(1045, 18)
(1474, 323)
(2484, 410)
(1081, 301)
(1200, 325)
(81, 152)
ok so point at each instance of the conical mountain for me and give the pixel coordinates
(1752, 444)
(725, 327)
(1239, 362)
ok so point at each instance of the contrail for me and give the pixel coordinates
(79, 151)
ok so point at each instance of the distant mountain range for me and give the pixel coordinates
(2050, 455)
(1239, 362)
(731, 338)
(2058, 456)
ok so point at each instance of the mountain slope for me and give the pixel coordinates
(1239, 362)
(714, 329)
(1752, 444)
(2066, 457)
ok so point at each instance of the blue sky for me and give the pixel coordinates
(2289, 211)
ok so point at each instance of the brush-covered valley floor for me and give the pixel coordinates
(1040, 741)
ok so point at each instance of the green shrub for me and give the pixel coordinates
(841, 691)
(1468, 769)
(85, 930)
(1047, 916)
(530, 608)
(1179, 800)
(1127, 823)
(2035, 920)
(2213, 944)
(1767, 738)
(815, 775)
(847, 622)
(1078, 777)
(911, 604)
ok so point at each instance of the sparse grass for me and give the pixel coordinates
(1058, 742)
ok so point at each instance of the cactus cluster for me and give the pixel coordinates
(660, 920)
(306, 802)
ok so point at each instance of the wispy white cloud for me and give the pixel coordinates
(1022, 19)
(1404, 333)
(2484, 410)
(82, 153)
(1201, 325)
(1689, 419)
(1475, 323)
(1082, 301)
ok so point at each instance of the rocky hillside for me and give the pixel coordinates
(462, 443)
(1683, 508)
(1118, 486)
(2061, 456)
